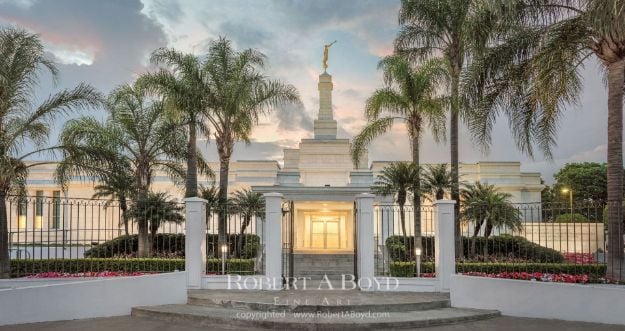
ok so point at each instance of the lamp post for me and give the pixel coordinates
(570, 192)
(224, 251)
(418, 255)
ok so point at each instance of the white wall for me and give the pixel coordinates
(89, 298)
(571, 302)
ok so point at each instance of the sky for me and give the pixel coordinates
(107, 43)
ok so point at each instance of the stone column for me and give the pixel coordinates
(273, 240)
(445, 256)
(365, 242)
(195, 241)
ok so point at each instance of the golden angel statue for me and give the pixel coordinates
(325, 54)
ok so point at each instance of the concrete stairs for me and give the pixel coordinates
(317, 265)
(312, 310)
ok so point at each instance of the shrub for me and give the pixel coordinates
(401, 248)
(574, 218)
(407, 269)
(503, 247)
(507, 247)
(20, 268)
(172, 245)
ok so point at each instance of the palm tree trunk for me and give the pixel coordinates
(191, 183)
(453, 143)
(224, 168)
(144, 244)
(476, 231)
(123, 205)
(402, 221)
(416, 194)
(246, 222)
(616, 80)
(5, 265)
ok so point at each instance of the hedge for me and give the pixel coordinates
(172, 245)
(20, 268)
(575, 218)
(512, 247)
(407, 269)
(401, 248)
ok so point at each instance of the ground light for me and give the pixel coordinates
(418, 254)
(224, 251)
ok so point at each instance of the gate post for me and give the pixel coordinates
(273, 240)
(195, 241)
(365, 242)
(444, 242)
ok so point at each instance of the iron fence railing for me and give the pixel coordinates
(395, 250)
(234, 241)
(550, 242)
(66, 235)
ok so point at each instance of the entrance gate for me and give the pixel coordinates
(288, 213)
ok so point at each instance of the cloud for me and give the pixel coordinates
(293, 117)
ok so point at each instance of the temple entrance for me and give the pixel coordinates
(325, 233)
(323, 227)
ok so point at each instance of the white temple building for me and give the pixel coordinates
(320, 179)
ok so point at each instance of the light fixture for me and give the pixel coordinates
(565, 190)
(224, 249)
(418, 251)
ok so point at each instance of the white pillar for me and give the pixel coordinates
(195, 241)
(365, 242)
(445, 254)
(273, 240)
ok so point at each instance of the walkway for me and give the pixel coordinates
(126, 323)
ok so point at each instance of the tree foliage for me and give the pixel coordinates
(24, 122)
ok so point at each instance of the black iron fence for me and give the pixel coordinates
(234, 240)
(64, 235)
(58, 236)
(545, 242)
(396, 252)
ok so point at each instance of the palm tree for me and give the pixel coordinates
(410, 98)
(117, 185)
(398, 179)
(240, 94)
(457, 30)
(436, 180)
(138, 132)
(211, 195)
(487, 208)
(248, 205)
(157, 209)
(24, 123)
(188, 93)
(533, 73)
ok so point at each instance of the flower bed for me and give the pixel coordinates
(535, 276)
(579, 258)
(87, 274)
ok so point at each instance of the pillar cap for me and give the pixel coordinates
(273, 195)
(195, 199)
(365, 196)
(444, 202)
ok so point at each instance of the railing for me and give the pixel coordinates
(544, 242)
(234, 241)
(63, 235)
(395, 252)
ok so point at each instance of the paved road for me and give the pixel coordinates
(137, 324)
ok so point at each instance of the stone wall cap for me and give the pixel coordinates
(195, 199)
(273, 195)
(444, 202)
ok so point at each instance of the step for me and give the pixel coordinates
(202, 316)
(323, 300)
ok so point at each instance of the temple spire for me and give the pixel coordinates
(325, 125)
